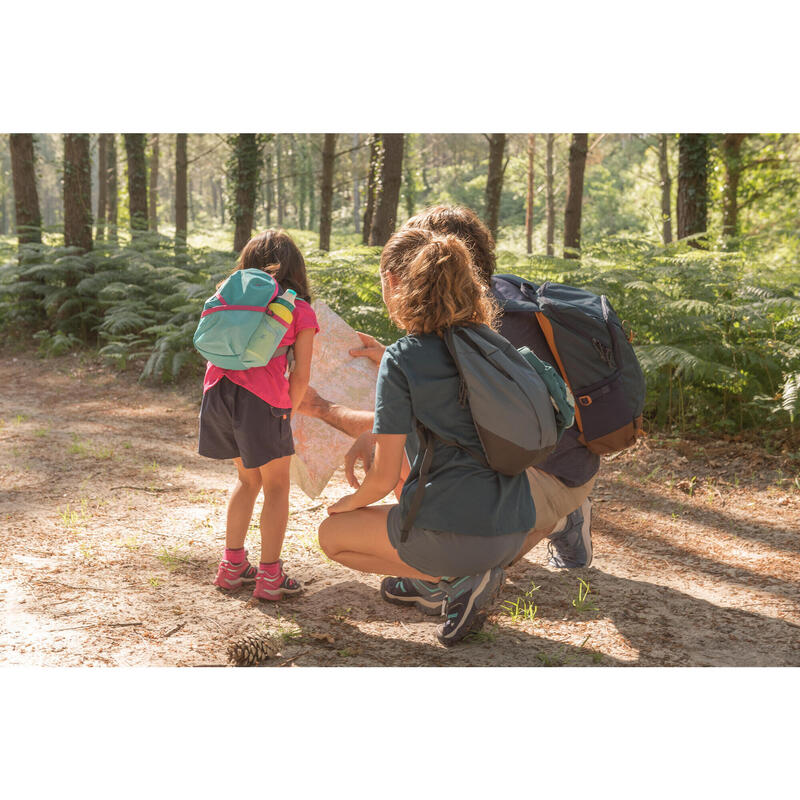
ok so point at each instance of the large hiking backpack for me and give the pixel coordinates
(520, 406)
(254, 322)
(593, 355)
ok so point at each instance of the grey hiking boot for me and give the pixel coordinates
(427, 597)
(572, 547)
(468, 604)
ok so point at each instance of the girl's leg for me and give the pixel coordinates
(275, 513)
(359, 540)
(240, 505)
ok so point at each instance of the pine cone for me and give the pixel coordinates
(247, 651)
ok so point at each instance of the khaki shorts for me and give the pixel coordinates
(553, 499)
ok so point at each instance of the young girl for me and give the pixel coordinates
(245, 417)
(472, 521)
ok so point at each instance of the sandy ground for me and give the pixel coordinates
(111, 527)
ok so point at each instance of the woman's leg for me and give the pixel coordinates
(240, 505)
(359, 540)
(275, 513)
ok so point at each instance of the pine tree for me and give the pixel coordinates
(494, 180)
(102, 187)
(137, 181)
(246, 180)
(692, 185)
(326, 191)
(666, 190)
(153, 211)
(112, 190)
(77, 191)
(550, 196)
(391, 177)
(26, 198)
(181, 191)
(578, 149)
(375, 155)
(529, 199)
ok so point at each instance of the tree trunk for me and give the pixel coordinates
(279, 183)
(550, 197)
(356, 192)
(692, 185)
(529, 201)
(731, 157)
(666, 190)
(270, 189)
(153, 216)
(326, 191)
(137, 181)
(578, 150)
(391, 178)
(102, 186)
(375, 154)
(310, 182)
(494, 180)
(181, 192)
(77, 191)
(26, 198)
(111, 178)
(246, 155)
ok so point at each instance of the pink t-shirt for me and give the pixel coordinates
(269, 382)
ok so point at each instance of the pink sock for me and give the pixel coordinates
(235, 556)
(272, 570)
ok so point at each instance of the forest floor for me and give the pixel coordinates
(112, 527)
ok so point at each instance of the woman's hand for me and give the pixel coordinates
(362, 451)
(371, 348)
(343, 505)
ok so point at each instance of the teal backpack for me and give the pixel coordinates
(244, 321)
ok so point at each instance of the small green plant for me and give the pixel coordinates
(692, 485)
(20, 418)
(597, 658)
(347, 652)
(340, 614)
(582, 602)
(520, 610)
(87, 551)
(41, 432)
(154, 581)
(153, 467)
(132, 543)
(77, 447)
(551, 660)
(487, 634)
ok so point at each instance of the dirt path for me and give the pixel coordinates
(112, 527)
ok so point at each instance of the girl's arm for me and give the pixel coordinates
(298, 379)
(382, 476)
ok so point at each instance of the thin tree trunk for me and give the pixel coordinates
(26, 198)
(137, 181)
(375, 154)
(529, 200)
(391, 178)
(692, 185)
(326, 191)
(270, 189)
(153, 217)
(356, 192)
(77, 191)
(494, 180)
(181, 191)
(279, 185)
(246, 154)
(666, 190)
(550, 196)
(102, 186)
(578, 150)
(111, 178)
(310, 182)
(732, 158)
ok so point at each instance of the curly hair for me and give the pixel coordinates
(275, 252)
(464, 223)
(435, 283)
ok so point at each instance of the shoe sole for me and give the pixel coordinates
(278, 595)
(428, 607)
(478, 615)
(242, 583)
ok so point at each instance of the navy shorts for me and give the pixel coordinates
(234, 423)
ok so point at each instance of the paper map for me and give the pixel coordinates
(340, 378)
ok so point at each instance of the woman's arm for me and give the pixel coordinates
(382, 476)
(298, 379)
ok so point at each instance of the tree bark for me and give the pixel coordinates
(666, 190)
(732, 158)
(153, 215)
(494, 180)
(279, 182)
(102, 187)
(111, 178)
(270, 189)
(375, 154)
(391, 178)
(326, 191)
(578, 150)
(77, 191)
(181, 190)
(137, 181)
(246, 155)
(356, 186)
(26, 198)
(550, 196)
(529, 200)
(310, 182)
(692, 185)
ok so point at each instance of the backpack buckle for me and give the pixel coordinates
(585, 400)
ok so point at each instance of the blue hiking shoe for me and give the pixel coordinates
(427, 597)
(468, 604)
(572, 547)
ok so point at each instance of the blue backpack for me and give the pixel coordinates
(244, 321)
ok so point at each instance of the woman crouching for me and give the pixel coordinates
(472, 521)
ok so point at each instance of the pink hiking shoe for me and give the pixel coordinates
(231, 577)
(272, 583)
